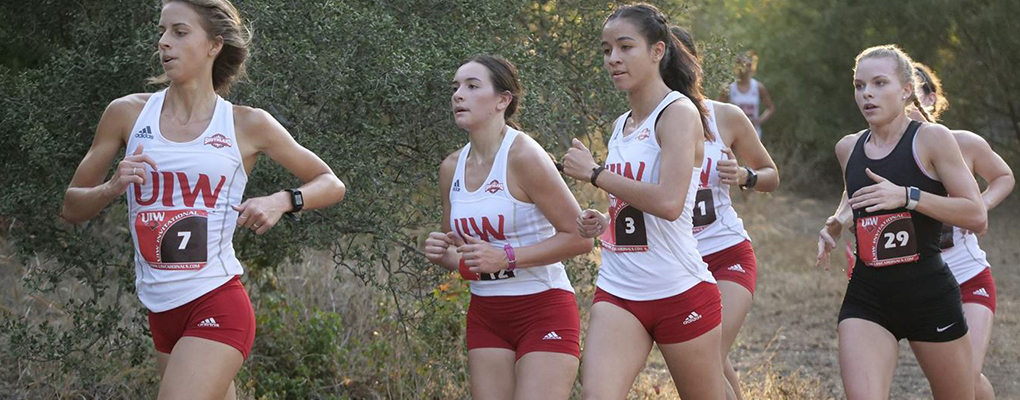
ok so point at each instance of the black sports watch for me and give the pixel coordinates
(752, 179)
(595, 174)
(297, 202)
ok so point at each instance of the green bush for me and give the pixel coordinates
(364, 84)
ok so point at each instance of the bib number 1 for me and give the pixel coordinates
(704, 210)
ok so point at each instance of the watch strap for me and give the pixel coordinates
(297, 200)
(510, 257)
(913, 197)
(752, 179)
(595, 174)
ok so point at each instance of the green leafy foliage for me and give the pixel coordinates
(363, 84)
(807, 51)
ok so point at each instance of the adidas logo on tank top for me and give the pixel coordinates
(489, 212)
(181, 220)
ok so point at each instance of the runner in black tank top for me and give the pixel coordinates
(964, 257)
(904, 180)
(900, 281)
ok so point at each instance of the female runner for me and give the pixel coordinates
(653, 286)
(905, 179)
(748, 93)
(508, 222)
(189, 154)
(722, 240)
(960, 249)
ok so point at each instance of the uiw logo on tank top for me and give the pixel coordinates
(482, 230)
(627, 224)
(171, 182)
(488, 232)
(490, 213)
(175, 239)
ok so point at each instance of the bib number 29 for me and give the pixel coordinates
(898, 239)
(884, 240)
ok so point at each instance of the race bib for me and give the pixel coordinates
(704, 210)
(946, 239)
(173, 239)
(466, 274)
(884, 240)
(626, 233)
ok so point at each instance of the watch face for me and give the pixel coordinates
(299, 199)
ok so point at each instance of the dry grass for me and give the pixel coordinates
(786, 350)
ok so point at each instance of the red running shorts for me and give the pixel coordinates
(674, 319)
(544, 321)
(736, 264)
(223, 315)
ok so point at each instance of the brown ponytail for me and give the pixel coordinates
(931, 84)
(679, 69)
(924, 112)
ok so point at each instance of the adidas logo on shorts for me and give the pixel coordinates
(691, 318)
(982, 292)
(738, 268)
(552, 336)
(209, 323)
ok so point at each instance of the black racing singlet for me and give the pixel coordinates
(899, 236)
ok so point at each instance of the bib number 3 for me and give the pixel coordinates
(626, 231)
(884, 240)
(173, 240)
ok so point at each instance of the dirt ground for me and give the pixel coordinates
(788, 347)
(790, 333)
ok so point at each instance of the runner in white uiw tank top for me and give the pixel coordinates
(653, 286)
(748, 93)
(188, 156)
(508, 222)
(722, 241)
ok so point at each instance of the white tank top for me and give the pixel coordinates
(716, 224)
(961, 252)
(180, 219)
(748, 101)
(645, 257)
(493, 215)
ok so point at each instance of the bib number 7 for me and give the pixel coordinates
(173, 239)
